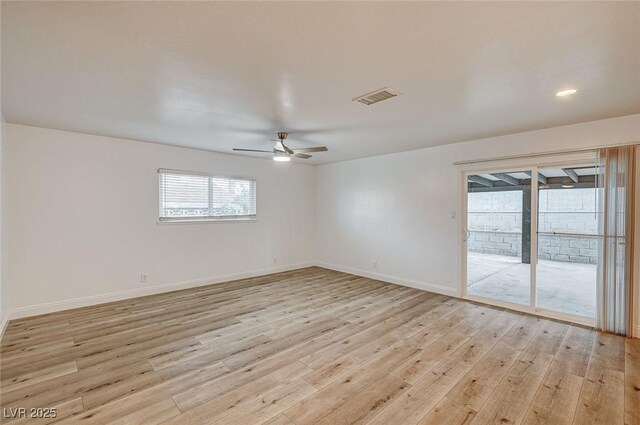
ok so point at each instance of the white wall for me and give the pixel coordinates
(82, 214)
(4, 305)
(397, 209)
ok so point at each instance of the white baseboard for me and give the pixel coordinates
(45, 308)
(430, 287)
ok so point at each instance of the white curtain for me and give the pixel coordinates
(616, 199)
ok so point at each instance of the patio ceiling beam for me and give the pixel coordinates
(507, 179)
(552, 185)
(541, 177)
(480, 180)
(571, 174)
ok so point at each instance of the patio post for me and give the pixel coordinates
(526, 223)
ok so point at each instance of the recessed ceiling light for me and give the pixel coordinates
(567, 92)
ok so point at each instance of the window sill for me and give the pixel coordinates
(206, 221)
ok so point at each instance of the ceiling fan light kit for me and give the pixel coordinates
(282, 153)
(281, 156)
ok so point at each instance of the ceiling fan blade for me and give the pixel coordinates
(301, 155)
(316, 149)
(286, 149)
(251, 150)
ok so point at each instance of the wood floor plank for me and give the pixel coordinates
(575, 350)
(602, 398)
(212, 389)
(150, 415)
(511, 398)
(345, 346)
(329, 398)
(210, 353)
(281, 419)
(360, 408)
(350, 362)
(270, 405)
(416, 403)
(557, 397)
(28, 379)
(476, 386)
(449, 412)
(313, 346)
(416, 336)
(71, 386)
(632, 382)
(228, 402)
(429, 357)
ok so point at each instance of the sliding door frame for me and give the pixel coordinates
(575, 160)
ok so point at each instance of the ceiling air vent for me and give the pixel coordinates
(377, 96)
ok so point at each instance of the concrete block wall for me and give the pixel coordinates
(495, 224)
(501, 243)
(568, 249)
(495, 221)
(568, 211)
(568, 223)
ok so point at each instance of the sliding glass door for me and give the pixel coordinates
(530, 239)
(499, 236)
(567, 240)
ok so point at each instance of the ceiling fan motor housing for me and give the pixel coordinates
(282, 135)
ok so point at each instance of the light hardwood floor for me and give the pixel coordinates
(314, 346)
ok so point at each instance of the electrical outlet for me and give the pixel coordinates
(143, 278)
(375, 265)
(275, 260)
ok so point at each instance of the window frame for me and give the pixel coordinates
(208, 219)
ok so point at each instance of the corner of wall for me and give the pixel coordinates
(423, 286)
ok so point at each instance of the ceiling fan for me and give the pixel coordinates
(282, 153)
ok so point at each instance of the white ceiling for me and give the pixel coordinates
(222, 75)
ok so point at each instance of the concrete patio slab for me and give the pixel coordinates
(563, 287)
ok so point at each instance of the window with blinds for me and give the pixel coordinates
(186, 196)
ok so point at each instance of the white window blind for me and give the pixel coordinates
(186, 196)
